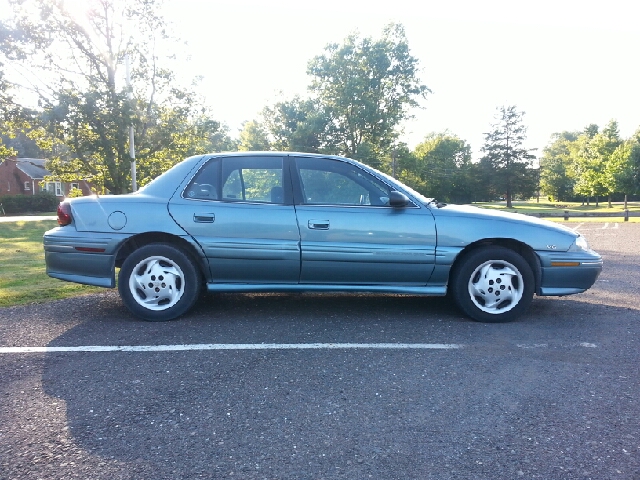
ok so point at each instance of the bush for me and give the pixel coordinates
(39, 203)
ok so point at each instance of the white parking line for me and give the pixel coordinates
(270, 346)
(546, 345)
(234, 346)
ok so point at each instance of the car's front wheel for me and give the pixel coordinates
(158, 282)
(493, 284)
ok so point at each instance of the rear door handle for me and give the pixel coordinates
(208, 218)
(318, 224)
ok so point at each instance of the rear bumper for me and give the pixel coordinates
(81, 257)
(85, 268)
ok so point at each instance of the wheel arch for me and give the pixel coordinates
(521, 248)
(191, 249)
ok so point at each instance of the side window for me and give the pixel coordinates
(232, 188)
(331, 182)
(252, 179)
(205, 184)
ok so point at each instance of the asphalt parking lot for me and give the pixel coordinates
(329, 386)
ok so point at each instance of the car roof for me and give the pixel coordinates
(276, 154)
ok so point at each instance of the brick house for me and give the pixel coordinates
(24, 176)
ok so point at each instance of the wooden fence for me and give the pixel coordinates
(568, 214)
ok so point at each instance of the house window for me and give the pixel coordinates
(55, 188)
(74, 185)
(27, 186)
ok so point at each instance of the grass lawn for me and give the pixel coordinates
(22, 270)
(533, 207)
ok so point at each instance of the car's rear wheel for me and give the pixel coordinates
(493, 284)
(158, 282)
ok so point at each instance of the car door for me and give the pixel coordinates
(351, 235)
(239, 209)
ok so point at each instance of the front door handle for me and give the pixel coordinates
(318, 224)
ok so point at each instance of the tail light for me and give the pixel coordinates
(64, 214)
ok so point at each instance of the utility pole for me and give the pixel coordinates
(132, 147)
(393, 162)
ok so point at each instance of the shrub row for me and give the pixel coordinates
(39, 203)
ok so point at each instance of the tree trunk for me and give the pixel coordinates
(609, 199)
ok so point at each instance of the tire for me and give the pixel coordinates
(158, 282)
(493, 284)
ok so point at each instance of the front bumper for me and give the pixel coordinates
(566, 273)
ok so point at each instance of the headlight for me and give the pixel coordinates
(580, 245)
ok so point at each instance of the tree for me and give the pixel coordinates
(366, 88)
(591, 152)
(622, 171)
(10, 115)
(506, 162)
(19, 127)
(76, 59)
(634, 163)
(5, 150)
(608, 146)
(295, 125)
(555, 180)
(253, 137)
(442, 163)
(221, 141)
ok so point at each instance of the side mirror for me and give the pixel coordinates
(398, 199)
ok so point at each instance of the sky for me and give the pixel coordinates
(565, 63)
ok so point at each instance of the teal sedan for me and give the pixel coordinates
(298, 222)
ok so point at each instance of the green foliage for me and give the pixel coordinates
(86, 112)
(220, 141)
(361, 91)
(591, 152)
(365, 88)
(506, 165)
(6, 151)
(253, 137)
(622, 171)
(38, 203)
(5, 99)
(634, 161)
(443, 162)
(16, 123)
(295, 125)
(591, 164)
(370, 154)
(75, 192)
(555, 180)
(92, 128)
